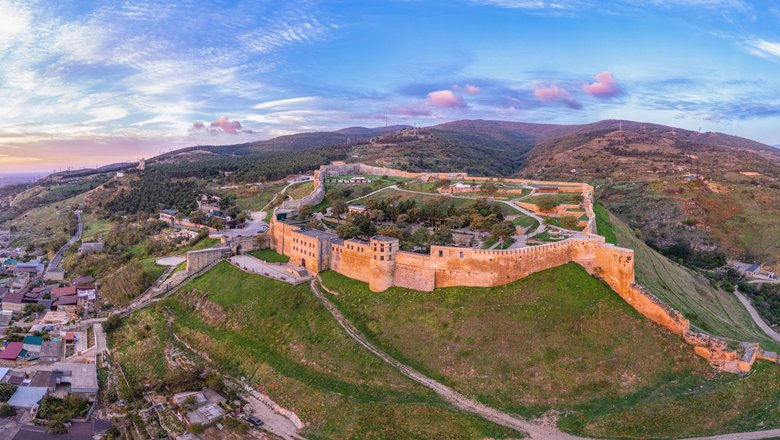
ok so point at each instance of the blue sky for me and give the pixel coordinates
(92, 82)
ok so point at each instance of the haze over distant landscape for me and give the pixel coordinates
(87, 84)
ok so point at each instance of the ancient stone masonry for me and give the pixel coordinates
(382, 265)
(197, 260)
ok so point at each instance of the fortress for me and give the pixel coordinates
(381, 264)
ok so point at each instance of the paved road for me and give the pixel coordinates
(257, 266)
(756, 317)
(57, 260)
(254, 225)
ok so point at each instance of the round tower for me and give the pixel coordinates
(383, 252)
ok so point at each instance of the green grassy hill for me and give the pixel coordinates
(283, 340)
(561, 339)
(711, 309)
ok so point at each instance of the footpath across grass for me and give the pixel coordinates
(561, 339)
(282, 340)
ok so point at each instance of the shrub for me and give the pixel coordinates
(7, 410)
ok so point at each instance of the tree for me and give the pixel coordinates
(503, 230)
(547, 204)
(6, 391)
(339, 208)
(442, 236)
(112, 323)
(56, 426)
(489, 187)
(7, 410)
(347, 231)
(391, 231)
(420, 237)
(306, 211)
(568, 222)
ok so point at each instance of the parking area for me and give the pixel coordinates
(277, 271)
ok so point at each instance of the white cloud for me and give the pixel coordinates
(764, 48)
(284, 102)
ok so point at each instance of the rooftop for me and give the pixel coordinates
(32, 340)
(27, 397)
(11, 351)
(82, 377)
(318, 234)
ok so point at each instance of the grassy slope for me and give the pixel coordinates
(282, 339)
(713, 310)
(560, 339)
(300, 190)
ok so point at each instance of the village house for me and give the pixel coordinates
(52, 351)
(12, 302)
(88, 248)
(32, 343)
(54, 274)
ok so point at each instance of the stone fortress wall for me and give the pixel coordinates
(382, 265)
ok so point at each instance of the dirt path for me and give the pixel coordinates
(756, 317)
(534, 430)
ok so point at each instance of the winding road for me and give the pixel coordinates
(757, 317)
(57, 260)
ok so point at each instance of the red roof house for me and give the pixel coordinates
(11, 351)
(63, 291)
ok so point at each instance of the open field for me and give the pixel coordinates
(254, 198)
(281, 339)
(300, 190)
(560, 339)
(269, 255)
(557, 199)
(711, 309)
(433, 199)
(93, 226)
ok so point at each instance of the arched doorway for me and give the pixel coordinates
(238, 250)
(303, 263)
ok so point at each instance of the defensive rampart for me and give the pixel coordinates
(380, 264)
(197, 260)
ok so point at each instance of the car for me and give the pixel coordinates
(254, 421)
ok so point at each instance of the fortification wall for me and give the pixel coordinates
(352, 259)
(414, 271)
(197, 260)
(447, 266)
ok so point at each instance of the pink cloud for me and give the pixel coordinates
(468, 88)
(228, 126)
(604, 87)
(555, 94)
(198, 125)
(446, 99)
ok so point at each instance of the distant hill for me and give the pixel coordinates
(363, 131)
(697, 197)
(294, 142)
(91, 171)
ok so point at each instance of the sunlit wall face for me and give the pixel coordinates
(86, 83)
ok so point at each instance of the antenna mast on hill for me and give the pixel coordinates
(621, 125)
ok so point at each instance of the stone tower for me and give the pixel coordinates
(383, 251)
